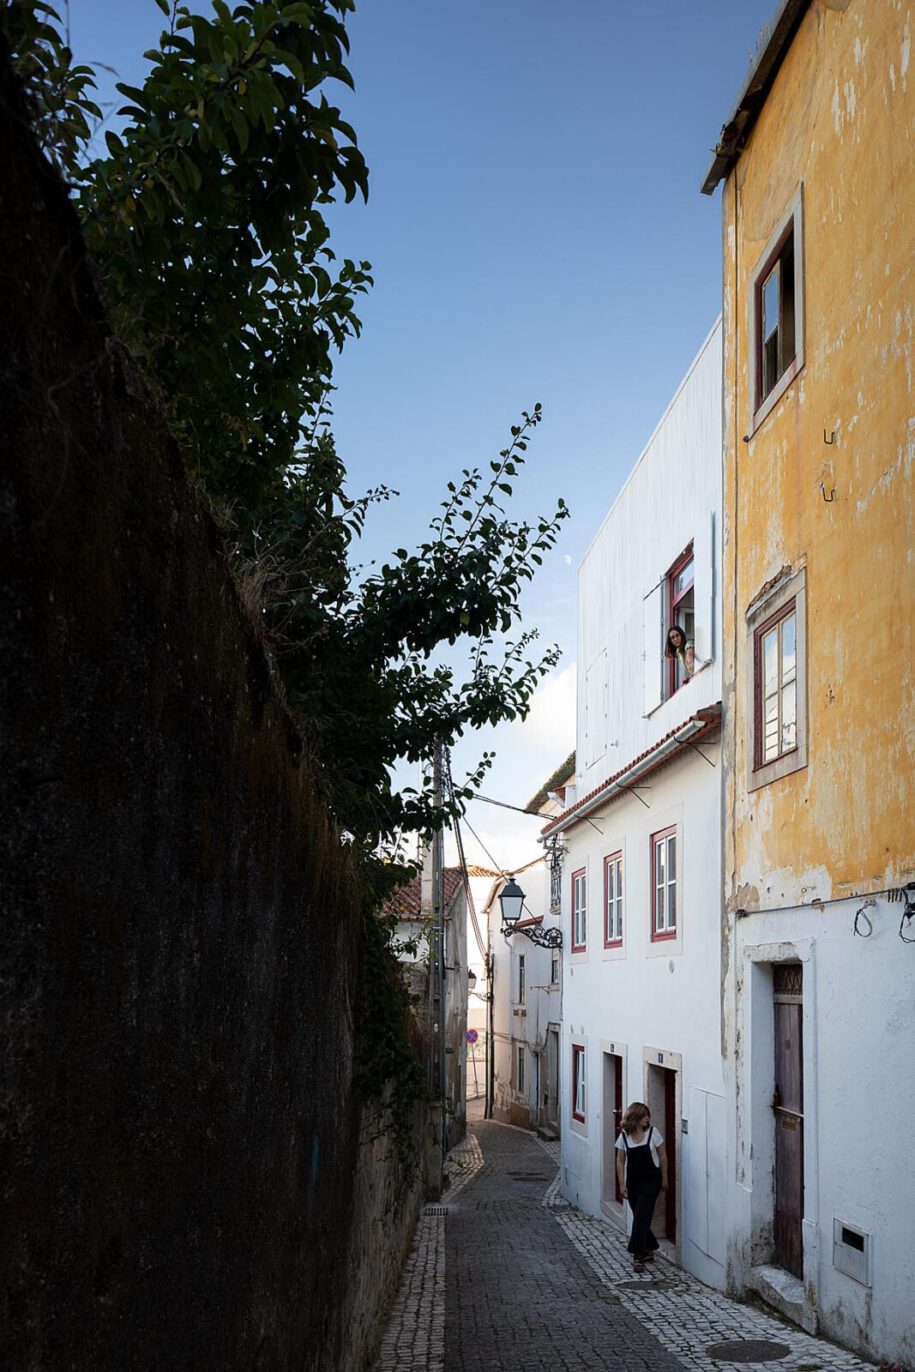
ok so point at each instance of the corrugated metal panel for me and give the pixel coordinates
(672, 498)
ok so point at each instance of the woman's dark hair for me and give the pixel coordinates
(669, 649)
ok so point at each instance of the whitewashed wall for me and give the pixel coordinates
(520, 1025)
(648, 999)
(859, 1083)
(671, 498)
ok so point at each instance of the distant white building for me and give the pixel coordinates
(641, 876)
(526, 982)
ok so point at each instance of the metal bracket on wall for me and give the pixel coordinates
(831, 439)
(828, 498)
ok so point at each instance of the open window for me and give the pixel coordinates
(680, 587)
(683, 597)
(777, 314)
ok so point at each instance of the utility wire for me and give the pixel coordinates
(535, 814)
(459, 838)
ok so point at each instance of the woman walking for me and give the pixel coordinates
(641, 1166)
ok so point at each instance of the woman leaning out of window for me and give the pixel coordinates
(641, 1166)
(681, 650)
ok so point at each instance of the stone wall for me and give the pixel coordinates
(188, 1179)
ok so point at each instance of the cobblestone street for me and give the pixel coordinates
(505, 1275)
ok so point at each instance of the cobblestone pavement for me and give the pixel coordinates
(504, 1274)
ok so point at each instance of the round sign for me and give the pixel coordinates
(472, 1036)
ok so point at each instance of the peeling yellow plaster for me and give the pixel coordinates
(844, 821)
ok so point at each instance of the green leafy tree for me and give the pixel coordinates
(204, 216)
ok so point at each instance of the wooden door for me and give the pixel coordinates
(670, 1142)
(788, 1106)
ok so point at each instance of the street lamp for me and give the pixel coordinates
(471, 979)
(511, 899)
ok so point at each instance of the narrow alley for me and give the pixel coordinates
(504, 1274)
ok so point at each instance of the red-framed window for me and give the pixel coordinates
(579, 910)
(613, 900)
(681, 612)
(775, 686)
(664, 883)
(578, 1082)
(776, 333)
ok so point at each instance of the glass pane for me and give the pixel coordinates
(672, 905)
(683, 579)
(770, 661)
(659, 908)
(770, 303)
(789, 717)
(789, 656)
(659, 863)
(672, 858)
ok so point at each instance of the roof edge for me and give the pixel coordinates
(752, 97)
(704, 722)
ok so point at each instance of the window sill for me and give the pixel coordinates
(669, 936)
(778, 390)
(680, 689)
(783, 766)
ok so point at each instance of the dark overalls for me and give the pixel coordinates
(643, 1182)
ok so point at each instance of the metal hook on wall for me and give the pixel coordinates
(831, 439)
(828, 498)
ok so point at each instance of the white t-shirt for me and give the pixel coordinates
(657, 1138)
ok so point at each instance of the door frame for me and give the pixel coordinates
(656, 1060)
(611, 1203)
(755, 1066)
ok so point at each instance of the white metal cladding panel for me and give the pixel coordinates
(671, 498)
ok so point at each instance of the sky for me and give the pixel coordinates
(537, 234)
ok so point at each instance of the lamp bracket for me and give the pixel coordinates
(544, 938)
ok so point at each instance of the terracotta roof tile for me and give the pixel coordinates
(710, 718)
(406, 901)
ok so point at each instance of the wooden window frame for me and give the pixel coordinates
(582, 946)
(790, 590)
(784, 611)
(579, 1077)
(520, 1069)
(790, 224)
(670, 609)
(614, 941)
(522, 988)
(663, 935)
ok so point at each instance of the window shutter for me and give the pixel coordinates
(704, 554)
(596, 710)
(652, 647)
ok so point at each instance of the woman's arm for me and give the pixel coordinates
(662, 1159)
(621, 1171)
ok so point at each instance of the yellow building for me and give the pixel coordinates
(818, 203)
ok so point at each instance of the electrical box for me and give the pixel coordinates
(851, 1251)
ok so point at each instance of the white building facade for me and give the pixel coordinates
(526, 1008)
(641, 836)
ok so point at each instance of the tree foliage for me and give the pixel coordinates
(204, 217)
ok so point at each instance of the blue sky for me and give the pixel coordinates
(537, 234)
